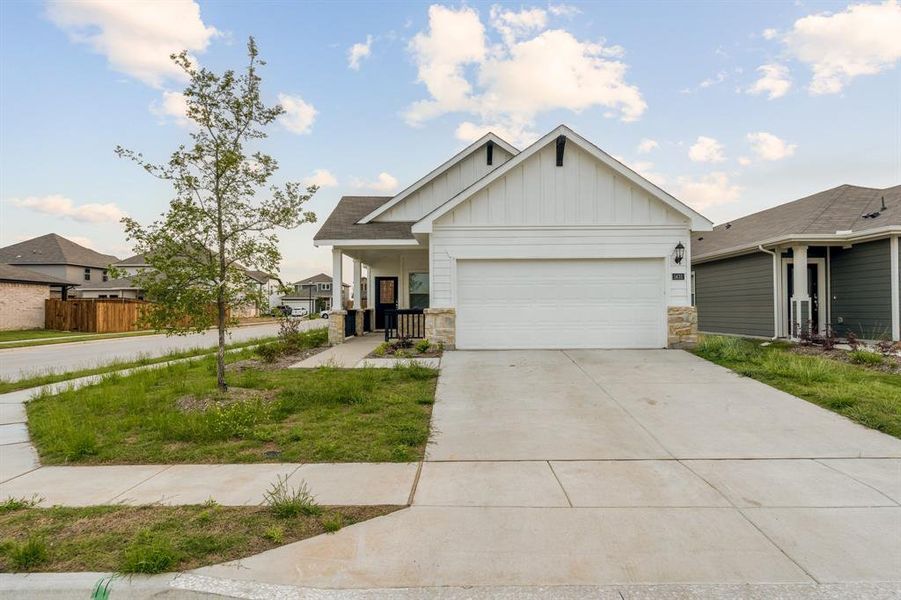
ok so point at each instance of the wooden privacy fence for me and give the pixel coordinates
(94, 315)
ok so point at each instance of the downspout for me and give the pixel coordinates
(775, 289)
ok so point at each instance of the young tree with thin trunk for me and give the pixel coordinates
(222, 218)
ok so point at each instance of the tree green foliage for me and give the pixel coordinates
(224, 212)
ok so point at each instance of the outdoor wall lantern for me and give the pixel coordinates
(679, 253)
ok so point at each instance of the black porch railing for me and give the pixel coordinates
(404, 323)
(367, 321)
(350, 323)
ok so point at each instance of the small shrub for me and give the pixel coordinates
(381, 349)
(423, 346)
(275, 534)
(333, 522)
(28, 554)
(12, 504)
(148, 554)
(402, 343)
(887, 347)
(268, 353)
(865, 357)
(853, 340)
(287, 502)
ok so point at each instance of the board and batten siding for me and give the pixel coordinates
(735, 295)
(861, 289)
(582, 210)
(446, 185)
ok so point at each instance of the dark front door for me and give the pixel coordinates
(813, 290)
(385, 298)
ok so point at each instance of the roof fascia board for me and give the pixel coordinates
(438, 171)
(823, 238)
(365, 243)
(698, 221)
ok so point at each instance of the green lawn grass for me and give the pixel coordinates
(34, 337)
(154, 539)
(867, 396)
(301, 415)
(34, 334)
(54, 377)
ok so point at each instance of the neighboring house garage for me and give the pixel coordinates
(22, 296)
(557, 246)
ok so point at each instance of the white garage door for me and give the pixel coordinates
(598, 303)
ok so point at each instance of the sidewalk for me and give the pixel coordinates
(336, 484)
(353, 353)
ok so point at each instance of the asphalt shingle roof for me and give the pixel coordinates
(839, 209)
(342, 223)
(20, 275)
(53, 249)
(111, 284)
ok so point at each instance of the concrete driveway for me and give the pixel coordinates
(623, 468)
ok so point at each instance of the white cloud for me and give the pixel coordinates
(173, 106)
(706, 149)
(499, 82)
(357, 52)
(712, 81)
(516, 25)
(769, 147)
(708, 190)
(744, 161)
(298, 116)
(863, 39)
(59, 206)
(769, 33)
(520, 136)
(564, 10)
(646, 145)
(135, 37)
(321, 178)
(774, 81)
(384, 183)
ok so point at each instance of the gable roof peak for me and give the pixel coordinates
(698, 221)
(434, 173)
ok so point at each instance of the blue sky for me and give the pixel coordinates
(731, 107)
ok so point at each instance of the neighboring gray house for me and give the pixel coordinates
(58, 257)
(314, 293)
(745, 273)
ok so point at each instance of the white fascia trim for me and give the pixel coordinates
(698, 221)
(809, 239)
(359, 243)
(488, 137)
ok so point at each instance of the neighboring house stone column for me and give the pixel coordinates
(682, 326)
(801, 309)
(441, 326)
(336, 326)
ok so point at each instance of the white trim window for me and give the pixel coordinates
(325, 287)
(419, 290)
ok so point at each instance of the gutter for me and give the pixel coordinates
(775, 289)
(822, 239)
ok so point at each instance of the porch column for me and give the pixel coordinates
(801, 310)
(358, 289)
(368, 302)
(337, 278)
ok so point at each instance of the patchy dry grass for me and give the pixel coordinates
(154, 539)
(865, 395)
(286, 415)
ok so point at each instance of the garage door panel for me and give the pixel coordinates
(610, 303)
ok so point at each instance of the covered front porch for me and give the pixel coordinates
(397, 298)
